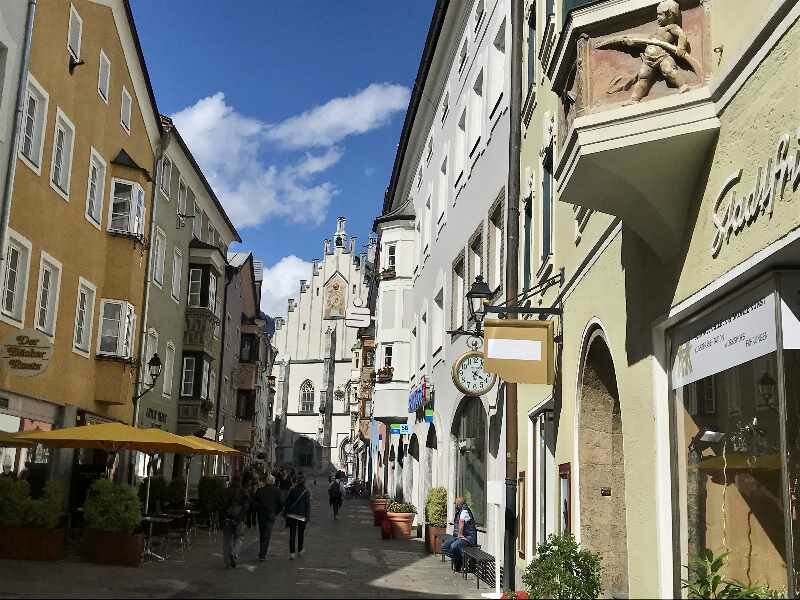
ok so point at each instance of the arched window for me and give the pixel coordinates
(307, 397)
(469, 431)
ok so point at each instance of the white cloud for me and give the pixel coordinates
(339, 118)
(230, 147)
(281, 282)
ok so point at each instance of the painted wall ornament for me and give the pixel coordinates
(661, 53)
(335, 299)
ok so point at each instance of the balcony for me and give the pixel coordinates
(242, 433)
(195, 416)
(247, 376)
(199, 333)
(629, 145)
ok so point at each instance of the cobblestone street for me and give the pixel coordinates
(344, 559)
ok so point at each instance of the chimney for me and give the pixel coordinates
(353, 244)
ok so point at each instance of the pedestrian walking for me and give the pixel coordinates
(297, 512)
(285, 484)
(234, 509)
(335, 497)
(268, 503)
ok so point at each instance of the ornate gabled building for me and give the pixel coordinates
(314, 364)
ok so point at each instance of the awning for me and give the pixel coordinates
(9, 440)
(113, 437)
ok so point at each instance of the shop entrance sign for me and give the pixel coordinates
(26, 352)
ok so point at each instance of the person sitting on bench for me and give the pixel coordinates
(465, 533)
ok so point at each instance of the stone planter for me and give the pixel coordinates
(112, 548)
(25, 543)
(401, 524)
(433, 539)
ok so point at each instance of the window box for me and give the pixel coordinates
(384, 374)
(388, 273)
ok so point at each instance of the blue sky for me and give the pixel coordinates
(293, 109)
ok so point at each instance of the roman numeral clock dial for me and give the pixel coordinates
(469, 375)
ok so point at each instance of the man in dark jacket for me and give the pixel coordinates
(268, 504)
(233, 513)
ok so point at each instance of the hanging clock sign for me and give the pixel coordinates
(470, 377)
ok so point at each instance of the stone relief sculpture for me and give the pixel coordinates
(660, 54)
(335, 305)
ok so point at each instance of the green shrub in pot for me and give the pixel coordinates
(45, 512)
(112, 508)
(15, 501)
(210, 493)
(436, 507)
(401, 507)
(563, 569)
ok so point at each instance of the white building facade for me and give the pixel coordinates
(443, 223)
(314, 367)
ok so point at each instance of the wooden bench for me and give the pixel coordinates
(481, 564)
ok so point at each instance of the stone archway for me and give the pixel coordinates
(303, 455)
(602, 467)
(412, 469)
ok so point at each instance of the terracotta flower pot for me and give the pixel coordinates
(378, 517)
(379, 504)
(112, 548)
(433, 539)
(26, 543)
(386, 530)
(401, 524)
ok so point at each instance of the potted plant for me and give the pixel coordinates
(562, 569)
(435, 519)
(385, 374)
(29, 527)
(401, 515)
(378, 504)
(706, 580)
(112, 515)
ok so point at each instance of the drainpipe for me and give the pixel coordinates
(512, 281)
(224, 312)
(19, 109)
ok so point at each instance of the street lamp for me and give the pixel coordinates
(478, 297)
(154, 367)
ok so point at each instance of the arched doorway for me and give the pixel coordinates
(470, 442)
(400, 472)
(303, 452)
(602, 467)
(431, 456)
(412, 481)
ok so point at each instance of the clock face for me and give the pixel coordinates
(470, 376)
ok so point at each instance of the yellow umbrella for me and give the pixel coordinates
(10, 440)
(211, 446)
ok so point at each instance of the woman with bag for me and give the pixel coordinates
(297, 511)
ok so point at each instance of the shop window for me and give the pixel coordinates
(469, 431)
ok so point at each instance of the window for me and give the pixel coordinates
(159, 254)
(127, 208)
(95, 188)
(462, 57)
(117, 328)
(476, 256)
(182, 192)
(84, 316)
(356, 360)
(459, 151)
(169, 370)
(532, 48)
(457, 298)
(469, 431)
(125, 110)
(429, 149)
(187, 382)
(388, 352)
(47, 295)
(442, 204)
(166, 174)
(212, 292)
(204, 381)
(74, 36)
(15, 278)
(61, 165)
(104, 77)
(177, 273)
(495, 257)
(197, 222)
(445, 106)
(307, 397)
(36, 102)
(437, 322)
(497, 68)
(151, 348)
(475, 113)
(547, 205)
(427, 228)
(391, 256)
(195, 283)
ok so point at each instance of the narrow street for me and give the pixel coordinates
(344, 559)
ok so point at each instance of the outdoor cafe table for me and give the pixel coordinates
(148, 546)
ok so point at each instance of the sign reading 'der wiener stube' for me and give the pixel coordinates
(732, 335)
(26, 352)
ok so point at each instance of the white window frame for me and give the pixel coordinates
(100, 188)
(458, 289)
(547, 259)
(475, 113)
(126, 332)
(74, 52)
(460, 151)
(159, 255)
(443, 192)
(213, 281)
(63, 123)
(165, 176)
(388, 355)
(497, 70)
(17, 317)
(126, 126)
(204, 380)
(51, 318)
(199, 292)
(88, 324)
(104, 94)
(391, 255)
(39, 121)
(169, 370)
(177, 274)
(182, 198)
(190, 383)
(135, 198)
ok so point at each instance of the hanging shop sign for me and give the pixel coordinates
(357, 315)
(26, 352)
(732, 212)
(429, 415)
(399, 429)
(519, 351)
(421, 396)
(732, 335)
